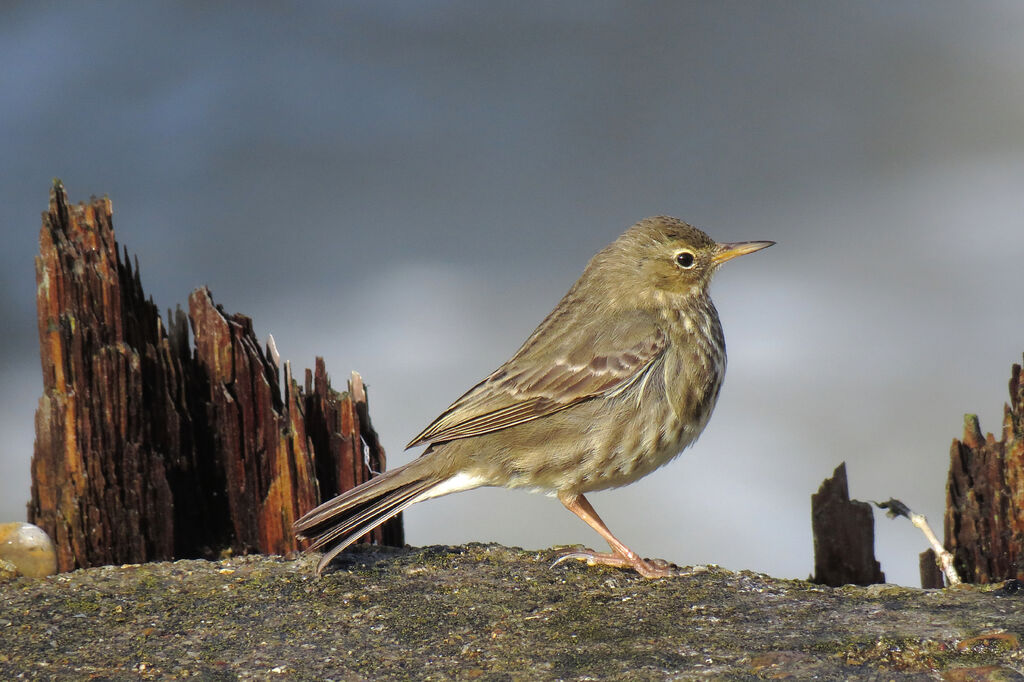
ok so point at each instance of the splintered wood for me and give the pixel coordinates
(985, 496)
(99, 486)
(146, 450)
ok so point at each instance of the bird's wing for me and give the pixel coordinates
(551, 372)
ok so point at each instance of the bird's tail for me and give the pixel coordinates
(340, 521)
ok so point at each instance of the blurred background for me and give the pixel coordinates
(408, 188)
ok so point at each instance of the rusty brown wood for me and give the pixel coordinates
(148, 449)
(984, 523)
(110, 376)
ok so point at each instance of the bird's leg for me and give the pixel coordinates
(621, 555)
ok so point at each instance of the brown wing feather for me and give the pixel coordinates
(524, 389)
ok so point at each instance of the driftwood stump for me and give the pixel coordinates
(148, 449)
(844, 535)
(984, 526)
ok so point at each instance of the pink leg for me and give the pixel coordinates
(621, 555)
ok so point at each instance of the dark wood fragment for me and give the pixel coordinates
(984, 523)
(931, 574)
(844, 535)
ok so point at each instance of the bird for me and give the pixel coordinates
(615, 382)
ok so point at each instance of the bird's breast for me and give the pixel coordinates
(610, 441)
(694, 362)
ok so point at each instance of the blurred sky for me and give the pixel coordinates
(408, 188)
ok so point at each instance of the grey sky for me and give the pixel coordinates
(407, 189)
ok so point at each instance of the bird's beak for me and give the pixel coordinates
(724, 252)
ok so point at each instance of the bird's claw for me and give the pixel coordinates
(648, 568)
(582, 556)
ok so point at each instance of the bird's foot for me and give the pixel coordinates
(648, 568)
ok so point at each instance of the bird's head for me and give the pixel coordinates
(663, 254)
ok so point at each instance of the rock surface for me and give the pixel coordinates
(490, 612)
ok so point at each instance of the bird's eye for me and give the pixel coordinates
(685, 259)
